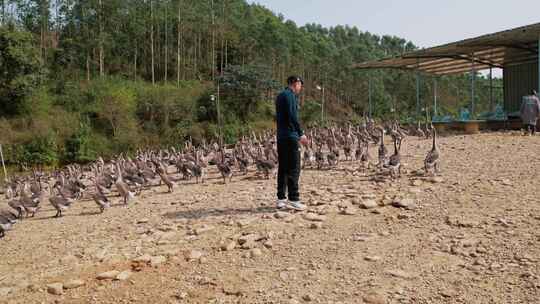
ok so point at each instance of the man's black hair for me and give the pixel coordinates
(294, 79)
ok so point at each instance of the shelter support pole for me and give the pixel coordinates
(417, 91)
(491, 89)
(435, 96)
(538, 90)
(370, 93)
(473, 78)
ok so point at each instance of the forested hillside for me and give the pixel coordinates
(98, 77)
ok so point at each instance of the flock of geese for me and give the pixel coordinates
(129, 176)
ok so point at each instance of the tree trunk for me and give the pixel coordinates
(3, 20)
(100, 20)
(152, 40)
(166, 40)
(213, 62)
(179, 38)
(195, 56)
(135, 61)
(88, 67)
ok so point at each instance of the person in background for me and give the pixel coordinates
(530, 111)
(289, 137)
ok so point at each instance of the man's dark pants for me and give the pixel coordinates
(288, 169)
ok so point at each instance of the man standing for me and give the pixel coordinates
(289, 138)
(530, 111)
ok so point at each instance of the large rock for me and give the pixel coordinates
(55, 288)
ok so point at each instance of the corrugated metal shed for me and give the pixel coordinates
(499, 50)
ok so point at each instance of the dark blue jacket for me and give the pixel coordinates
(288, 126)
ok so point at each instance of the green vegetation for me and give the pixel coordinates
(85, 78)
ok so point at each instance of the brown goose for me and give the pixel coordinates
(431, 163)
(224, 168)
(7, 220)
(382, 151)
(122, 187)
(394, 163)
(99, 197)
(60, 203)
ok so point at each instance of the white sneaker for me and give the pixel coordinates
(298, 206)
(281, 204)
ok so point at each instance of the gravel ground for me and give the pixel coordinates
(469, 235)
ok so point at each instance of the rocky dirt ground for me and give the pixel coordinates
(470, 235)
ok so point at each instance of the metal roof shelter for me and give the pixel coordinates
(516, 51)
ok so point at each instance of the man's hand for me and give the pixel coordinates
(304, 140)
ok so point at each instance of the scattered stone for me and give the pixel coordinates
(348, 211)
(369, 204)
(255, 252)
(416, 182)
(406, 203)
(281, 215)
(100, 255)
(403, 216)
(249, 238)
(369, 196)
(448, 293)
(73, 284)
(203, 229)
(506, 182)
(399, 274)
(55, 288)
(143, 258)
(436, 180)
(109, 275)
(228, 246)
(5, 291)
(268, 244)
(193, 255)
(249, 245)
(157, 260)
(124, 275)
(307, 298)
(245, 222)
(143, 221)
(374, 298)
(372, 258)
(314, 217)
(316, 225)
